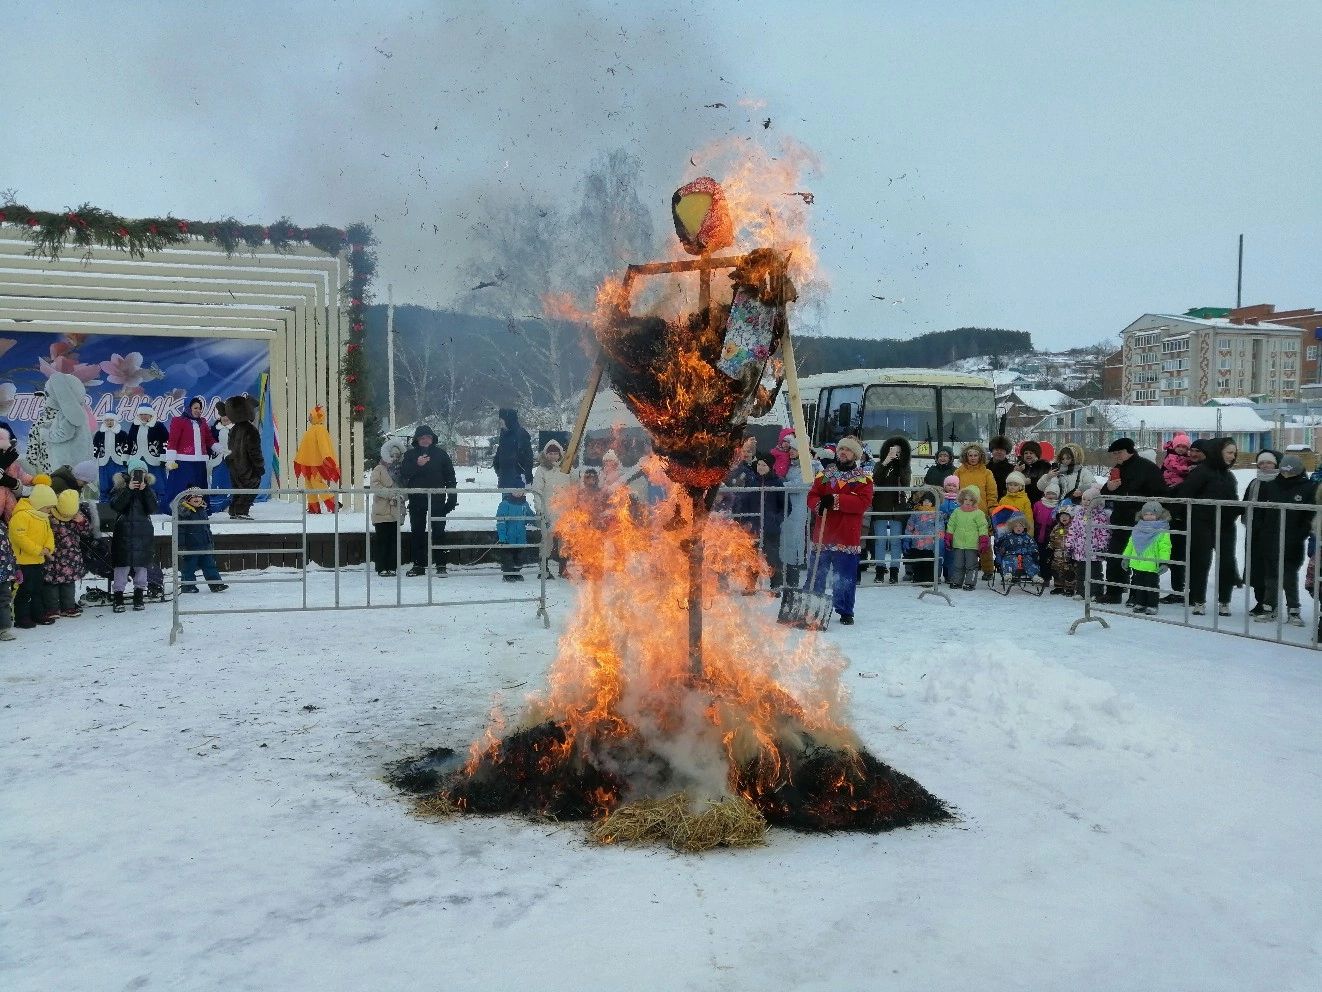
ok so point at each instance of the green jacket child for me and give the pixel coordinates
(1149, 547)
(966, 528)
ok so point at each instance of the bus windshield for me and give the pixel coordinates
(968, 414)
(899, 411)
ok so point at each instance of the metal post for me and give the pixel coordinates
(335, 552)
(390, 355)
(176, 628)
(304, 569)
(1248, 558)
(1216, 560)
(542, 567)
(938, 545)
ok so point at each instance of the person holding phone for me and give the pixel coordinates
(134, 500)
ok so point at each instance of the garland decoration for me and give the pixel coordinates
(51, 233)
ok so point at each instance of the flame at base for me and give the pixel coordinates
(623, 719)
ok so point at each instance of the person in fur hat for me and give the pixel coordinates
(387, 506)
(147, 441)
(245, 461)
(1033, 467)
(999, 464)
(66, 569)
(109, 450)
(188, 446)
(133, 498)
(33, 540)
(549, 482)
(197, 545)
(839, 498)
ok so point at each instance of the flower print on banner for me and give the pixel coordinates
(63, 358)
(749, 332)
(128, 372)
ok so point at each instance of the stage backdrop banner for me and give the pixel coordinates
(122, 371)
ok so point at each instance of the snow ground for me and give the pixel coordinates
(1138, 811)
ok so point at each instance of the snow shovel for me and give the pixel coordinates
(803, 608)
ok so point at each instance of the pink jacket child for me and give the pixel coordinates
(1089, 528)
(780, 457)
(1044, 512)
(11, 474)
(1177, 463)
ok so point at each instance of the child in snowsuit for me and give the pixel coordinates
(196, 543)
(69, 521)
(34, 544)
(1148, 551)
(133, 498)
(512, 518)
(1016, 550)
(1176, 465)
(949, 504)
(1087, 539)
(966, 538)
(920, 543)
(1044, 517)
(1062, 565)
(8, 576)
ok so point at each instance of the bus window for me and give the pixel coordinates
(900, 411)
(967, 414)
(841, 414)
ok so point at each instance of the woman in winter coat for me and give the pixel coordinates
(1070, 474)
(133, 498)
(1212, 529)
(890, 470)
(387, 507)
(1033, 467)
(941, 468)
(973, 471)
(1256, 524)
(188, 446)
(549, 481)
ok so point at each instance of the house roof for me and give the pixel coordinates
(1201, 419)
(1044, 399)
(1219, 324)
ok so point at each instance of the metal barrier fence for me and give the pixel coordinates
(345, 585)
(1210, 554)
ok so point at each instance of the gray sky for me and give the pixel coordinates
(1055, 168)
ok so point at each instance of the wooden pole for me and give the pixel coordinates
(801, 440)
(584, 409)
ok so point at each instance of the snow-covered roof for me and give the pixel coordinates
(1221, 323)
(1230, 401)
(1045, 399)
(1232, 419)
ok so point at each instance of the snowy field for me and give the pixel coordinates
(1138, 810)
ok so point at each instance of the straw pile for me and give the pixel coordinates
(437, 806)
(732, 822)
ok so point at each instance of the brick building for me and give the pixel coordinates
(1309, 322)
(1186, 360)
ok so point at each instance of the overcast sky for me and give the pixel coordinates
(1055, 168)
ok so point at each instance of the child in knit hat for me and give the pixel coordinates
(1087, 540)
(1146, 554)
(1044, 517)
(1177, 464)
(948, 505)
(34, 544)
(65, 569)
(1062, 565)
(196, 544)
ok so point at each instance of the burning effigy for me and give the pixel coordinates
(677, 710)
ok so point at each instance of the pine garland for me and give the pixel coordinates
(87, 227)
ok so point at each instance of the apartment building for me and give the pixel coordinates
(1183, 360)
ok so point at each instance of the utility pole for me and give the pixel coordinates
(390, 353)
(1239, 277)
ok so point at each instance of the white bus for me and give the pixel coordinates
(927, 407)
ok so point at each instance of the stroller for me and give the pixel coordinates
(99, 563)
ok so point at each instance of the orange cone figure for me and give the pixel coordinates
(315, 466)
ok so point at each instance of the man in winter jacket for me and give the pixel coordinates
(1131, 476)
(427, 466)
(513, 459)
(245, 460)
(1211, 528)
(1000, 465)
(1295, 490)
(839, 498)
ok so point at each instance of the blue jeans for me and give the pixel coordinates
(842, 569)
(888, 532)
(189, 564)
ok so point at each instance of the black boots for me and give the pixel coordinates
(139, 599)
(217, 586)
(879, 574)
(895, 575)
(117, 602)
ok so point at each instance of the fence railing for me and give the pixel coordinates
(355, 586)
(1207, 553)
